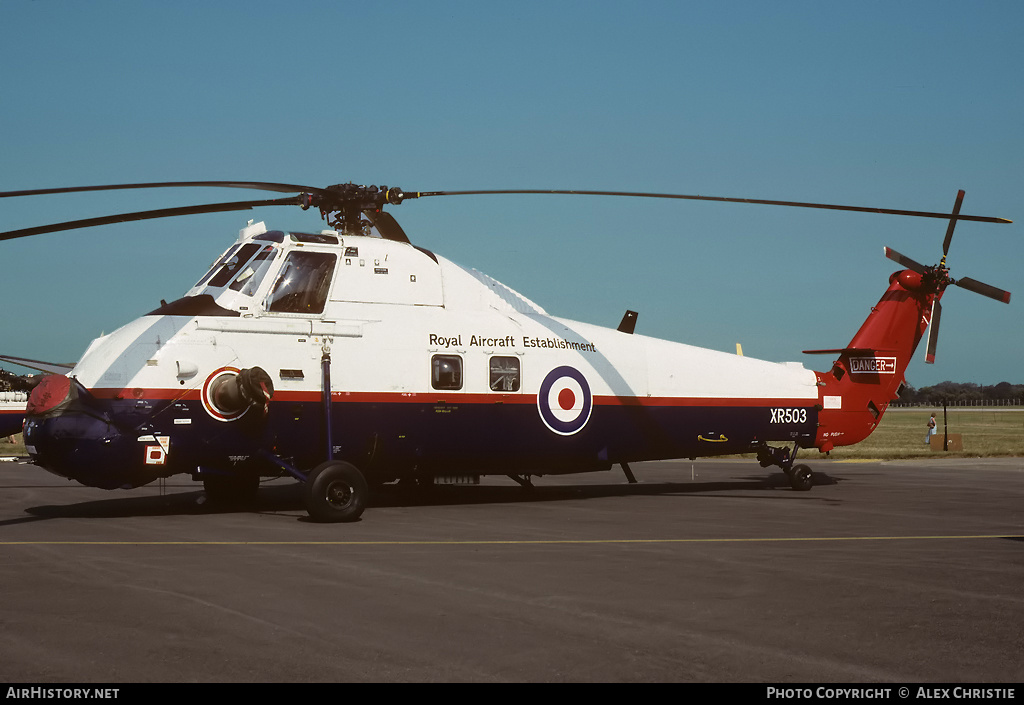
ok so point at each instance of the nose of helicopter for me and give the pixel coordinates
(69, 434)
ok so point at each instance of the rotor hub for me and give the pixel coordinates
(343, 205)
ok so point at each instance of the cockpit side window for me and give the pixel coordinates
(233, 264)
(217, 265)
(303, 283)
(251, 276)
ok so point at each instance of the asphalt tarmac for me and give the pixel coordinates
(897, 572)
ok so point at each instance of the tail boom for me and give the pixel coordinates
(869, 372)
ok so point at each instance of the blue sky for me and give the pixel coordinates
(881, 104)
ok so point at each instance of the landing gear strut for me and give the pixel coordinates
(800, 476)
(335, 491)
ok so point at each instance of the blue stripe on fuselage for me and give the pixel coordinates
(402, 438)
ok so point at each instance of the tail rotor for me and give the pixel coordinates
(936, 278)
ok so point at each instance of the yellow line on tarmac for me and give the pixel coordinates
(497, 542)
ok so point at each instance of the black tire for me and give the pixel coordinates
(231, 490)
(801, 478)
(336, 492)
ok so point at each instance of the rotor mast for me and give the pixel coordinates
(343, 205)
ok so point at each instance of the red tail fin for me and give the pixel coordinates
(870, 370)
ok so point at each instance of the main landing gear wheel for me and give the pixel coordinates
(800, 478)
(336, 492)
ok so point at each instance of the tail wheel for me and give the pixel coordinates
(800, 478)
(336, 492)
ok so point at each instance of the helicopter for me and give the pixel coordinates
(350, 357)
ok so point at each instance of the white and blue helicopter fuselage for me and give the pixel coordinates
(295, 347)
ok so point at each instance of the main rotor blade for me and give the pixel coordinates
(904, 260)
(984, 289)
(933, 332)
(952, 222)
(254, 185)
(293, 188)
(798, 204)
(147, 215)
(53, 368)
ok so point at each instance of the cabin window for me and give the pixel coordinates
(504, 374)
(250, 278)
(303, 283)
(446, 372)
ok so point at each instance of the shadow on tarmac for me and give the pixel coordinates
(288, 498)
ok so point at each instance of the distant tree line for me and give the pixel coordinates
(964, 394)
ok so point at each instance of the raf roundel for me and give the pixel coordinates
(564, 400)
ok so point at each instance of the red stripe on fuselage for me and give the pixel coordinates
(286, 395)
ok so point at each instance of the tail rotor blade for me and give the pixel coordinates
(904, 260)
(952, 222)
(933, 332)
(984, 289)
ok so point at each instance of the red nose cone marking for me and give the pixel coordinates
(51, 391)
(566, 399)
